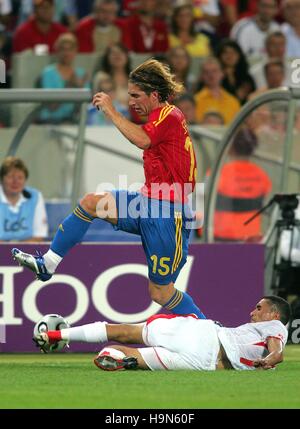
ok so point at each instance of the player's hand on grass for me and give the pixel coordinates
(262, 364)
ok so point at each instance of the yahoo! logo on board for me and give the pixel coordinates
(97, 295)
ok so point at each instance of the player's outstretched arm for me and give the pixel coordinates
(274, 357)
(133, 132)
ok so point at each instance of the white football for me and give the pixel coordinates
(50, 322)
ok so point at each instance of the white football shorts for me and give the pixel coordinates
(180, 343)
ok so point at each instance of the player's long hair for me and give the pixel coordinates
(152, 76)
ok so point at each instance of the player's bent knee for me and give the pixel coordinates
(100, 205)
(106, 206)
(155, 296)
(161, 294)
(89, 203)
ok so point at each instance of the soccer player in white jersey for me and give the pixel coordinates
(185, 342)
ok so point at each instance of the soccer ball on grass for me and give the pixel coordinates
(49, 322)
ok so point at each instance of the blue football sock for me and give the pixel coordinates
(182, 303)
(71, 231)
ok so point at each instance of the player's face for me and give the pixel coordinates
(13, 182)
(139, 101)
(263, 312)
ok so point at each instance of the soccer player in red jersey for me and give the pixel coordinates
(159, 212)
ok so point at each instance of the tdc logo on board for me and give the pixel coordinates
(2, 71)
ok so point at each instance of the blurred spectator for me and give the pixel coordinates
(11, 14)
(63, 74)
(186, 103)
(183, 33)
(242, 187)
(83, 8)
(22, 209)
(291, 28)
(38, 30)
(260, 120)
(99, 30)
(276, 45)
(143, 32)
(207, 15)
(234, 10)
(213, 96)
(250, 33)
(5, 53)
(5, 11)
(64, 12)
(275, 49)
(116, 64)
(212, 118)
(280, 15)
(180, 63)
(274, 71)
(6, 24)
(128, 7)
(69, 10)
(164, 8)
(269, 122)
(235, 68)
(104, 82)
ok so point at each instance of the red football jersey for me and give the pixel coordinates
(169, 163)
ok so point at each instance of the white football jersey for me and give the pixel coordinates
(249, 342)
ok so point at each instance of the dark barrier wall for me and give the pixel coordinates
(109, 282)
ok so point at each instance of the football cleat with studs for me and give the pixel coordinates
(107, 362)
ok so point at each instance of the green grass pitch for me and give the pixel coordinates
(69, 380)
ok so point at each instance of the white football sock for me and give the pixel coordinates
(51, 261)
(91, 333)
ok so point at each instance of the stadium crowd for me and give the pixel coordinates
(224, 52)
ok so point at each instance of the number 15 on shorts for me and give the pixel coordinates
(160, 265)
